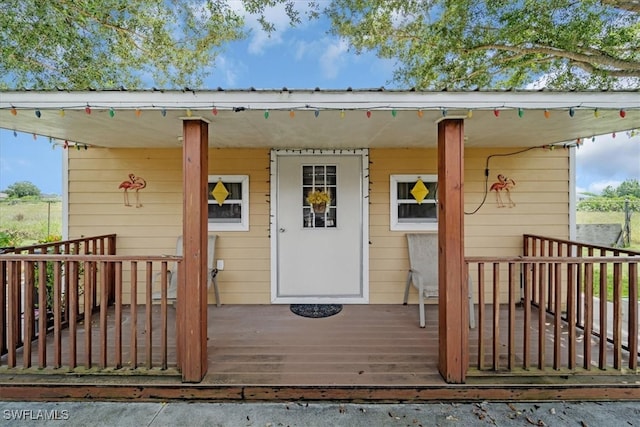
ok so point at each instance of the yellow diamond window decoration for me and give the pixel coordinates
(220, 193)
(419, 191)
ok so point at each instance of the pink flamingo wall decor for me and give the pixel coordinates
(503, 184)
(133, 183)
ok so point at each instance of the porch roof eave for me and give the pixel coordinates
(318, 118)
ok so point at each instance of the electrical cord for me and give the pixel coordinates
(486, 173)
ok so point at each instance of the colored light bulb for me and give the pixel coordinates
(420, 113)
(368, 113)
(394, 113)
(38, 114)
(496, 112)
(316, 113)
(112, 112)
(214, 111)
(572, 112)
(87, 109)
(623, 113)
(266, 114)
(547, 114)
(520, 112)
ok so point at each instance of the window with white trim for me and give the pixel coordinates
(228, 203)
(414, 202)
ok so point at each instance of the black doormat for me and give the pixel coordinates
(316, 311)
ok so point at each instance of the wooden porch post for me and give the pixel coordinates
(192, 282)
(452, 288)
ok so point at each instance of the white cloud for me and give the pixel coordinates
(229, 69)
(260, 40)
(334, 58)
(607, 161)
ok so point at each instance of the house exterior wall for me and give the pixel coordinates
(96, 206)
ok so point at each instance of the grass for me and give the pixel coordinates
(27, 222)
(612, 218)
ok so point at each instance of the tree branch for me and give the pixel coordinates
(631, 67)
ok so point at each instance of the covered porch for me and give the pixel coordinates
(448, 125)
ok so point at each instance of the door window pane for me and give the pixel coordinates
(319, 196)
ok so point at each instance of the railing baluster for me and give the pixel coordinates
(29, 325)
(541, 318)
(496, 316)
(481, 314)
(104, 306)
(72, 309)
(588, 313)
(550, 281)
(512, 317)
(633, 316)
(4, 280)
(617, 315)
(134, 315)
(88, 311)
(42, 314)
(149, 307)
(571, 314)
(57, 314)
(163, 314)
(578, 290)
(602, 357)
(557, 317)
(118, 315)
(12, 311)
(526, 336)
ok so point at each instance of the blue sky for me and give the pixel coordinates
(305, 57)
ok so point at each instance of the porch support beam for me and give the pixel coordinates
(192, 280)
(452, 288)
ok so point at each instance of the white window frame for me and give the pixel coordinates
(243, 225)
(395, 225)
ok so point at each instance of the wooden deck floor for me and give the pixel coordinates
(361, 345)
(366, 352)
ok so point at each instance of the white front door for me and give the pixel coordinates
(320, 255)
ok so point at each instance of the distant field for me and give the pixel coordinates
(28, 222)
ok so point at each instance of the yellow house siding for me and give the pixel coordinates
(541, 195)
(96, 206)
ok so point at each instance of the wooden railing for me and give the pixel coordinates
(547, 310)
(64, 308)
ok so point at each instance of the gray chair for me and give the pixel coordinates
(172, 274)
(423, 272)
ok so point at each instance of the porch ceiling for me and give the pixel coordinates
(317, 118)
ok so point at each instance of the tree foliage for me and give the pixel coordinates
(82, 44)
(456, 44)
(497, 43)
(630, 187)
(22, 189)
(625, 195)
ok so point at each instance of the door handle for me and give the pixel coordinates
(282, 230)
